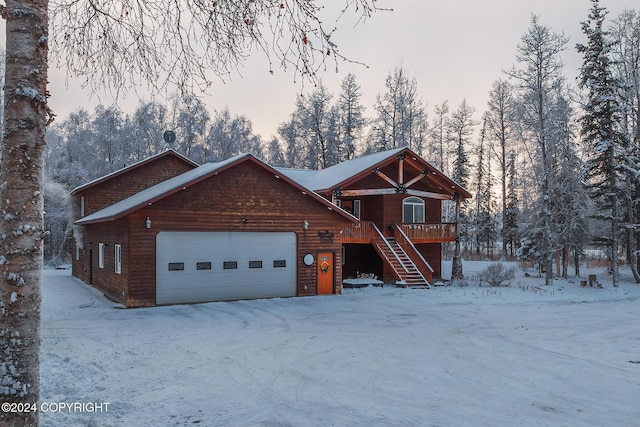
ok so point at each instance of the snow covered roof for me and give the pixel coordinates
(131, 167)
(175, 184)
(301, 176)
(330, 177)
(337, 175)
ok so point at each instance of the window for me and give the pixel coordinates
(351, 206)
(255, 264)
(203, 265)
(412, 210)
(82, 206)
(280, 263)
(118, 254)
(356, 208)
(77, 252)
(176, 266)
(101, 255)
(230, 265)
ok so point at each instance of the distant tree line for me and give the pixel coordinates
(552, 164)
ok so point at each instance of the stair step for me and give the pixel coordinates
(402, 263)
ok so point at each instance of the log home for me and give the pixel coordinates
(236, 229)
(397, 196)
(164, 231)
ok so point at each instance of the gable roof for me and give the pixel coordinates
(169, 152)
(333, 176)
(187, 179)
(349, 171)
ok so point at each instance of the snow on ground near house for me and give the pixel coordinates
(527, 355)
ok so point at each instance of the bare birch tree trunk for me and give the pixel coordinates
(21, 206)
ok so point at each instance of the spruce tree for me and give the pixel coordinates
(601, 128)
(511, 217)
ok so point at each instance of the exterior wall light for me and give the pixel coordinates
(305, 224)
(148, 223)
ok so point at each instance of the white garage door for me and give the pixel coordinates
(218, 266)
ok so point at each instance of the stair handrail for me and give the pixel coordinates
(377, 230)
(410, 243)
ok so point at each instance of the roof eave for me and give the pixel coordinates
(240, 159)
(81, 189)
(464, 194)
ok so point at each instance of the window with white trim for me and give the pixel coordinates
(412, 210)
(100, 255)
(118, 258)
(356, 208)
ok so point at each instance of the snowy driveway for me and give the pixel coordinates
(372, 357)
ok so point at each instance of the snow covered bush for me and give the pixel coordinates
(497, 274)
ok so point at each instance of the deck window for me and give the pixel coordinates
(356, 208)
(351, 206)
(412, 210)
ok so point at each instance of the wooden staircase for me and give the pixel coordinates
(401, 263)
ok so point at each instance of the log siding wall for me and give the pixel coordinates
(220, 203)
(110, 283)
(122, 186)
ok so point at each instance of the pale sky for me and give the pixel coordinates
(455, 49)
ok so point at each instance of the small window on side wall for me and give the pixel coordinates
(100, 255)
(118, 258)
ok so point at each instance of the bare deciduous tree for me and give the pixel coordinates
(540, 70)
(157, 44)
(499, 120)
(350, 116)
(401, 116)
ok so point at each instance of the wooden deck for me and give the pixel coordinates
(431, 233)
(417, 233)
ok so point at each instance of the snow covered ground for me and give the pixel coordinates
(526, 355)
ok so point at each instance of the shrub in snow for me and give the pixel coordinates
(498, 275)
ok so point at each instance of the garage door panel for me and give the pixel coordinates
(218, 284)
(219, 292)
